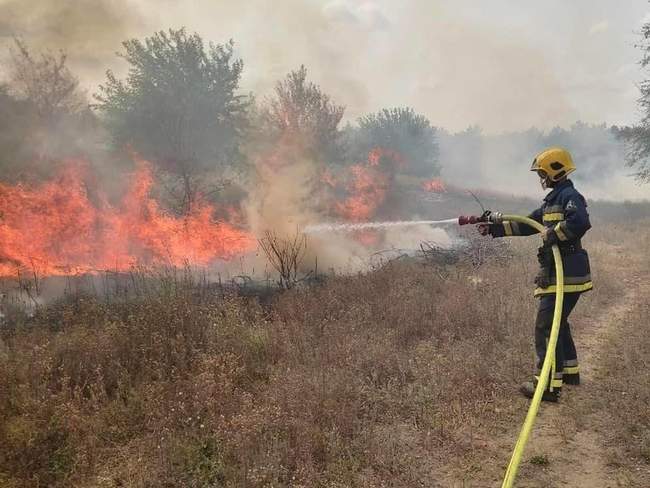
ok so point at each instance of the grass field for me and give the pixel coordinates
(402, 376)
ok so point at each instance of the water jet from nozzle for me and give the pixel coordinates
(337, 227)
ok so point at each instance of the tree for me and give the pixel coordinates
(44, 115)
(179, 106)
(302, 115)
(638, 137)
(16, 119)
(403, 131)
(45, 82)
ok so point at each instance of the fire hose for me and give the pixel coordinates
(549, 359)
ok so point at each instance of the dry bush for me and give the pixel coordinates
(469, 248)
(285, 255)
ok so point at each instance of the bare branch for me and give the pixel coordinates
(285, 255)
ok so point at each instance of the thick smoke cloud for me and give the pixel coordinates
(456, 65)
(370, 55)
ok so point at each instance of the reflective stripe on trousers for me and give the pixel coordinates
(565, 350)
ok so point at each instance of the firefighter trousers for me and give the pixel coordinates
(566, 359)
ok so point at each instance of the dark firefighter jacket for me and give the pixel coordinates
(565, 210)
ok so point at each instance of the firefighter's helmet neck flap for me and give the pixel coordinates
(552, 166)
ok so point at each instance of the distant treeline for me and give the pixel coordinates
(501, 161)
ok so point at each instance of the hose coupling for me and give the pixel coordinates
(495, 217)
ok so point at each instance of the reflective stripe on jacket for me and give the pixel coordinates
(565, 210)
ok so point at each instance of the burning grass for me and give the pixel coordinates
(56, 228)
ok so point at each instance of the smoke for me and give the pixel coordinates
(455, 69)
(502, 162)
(289, 195)
(90, 31)
(370, 55)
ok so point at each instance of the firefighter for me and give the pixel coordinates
(564, 216)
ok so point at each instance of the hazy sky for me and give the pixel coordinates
(502, 64)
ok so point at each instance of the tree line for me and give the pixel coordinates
(181, 106)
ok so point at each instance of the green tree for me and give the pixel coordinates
(637, 138)
(179, 107)
(403, 131)
(300, 114)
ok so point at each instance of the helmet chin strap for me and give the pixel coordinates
(546, 183)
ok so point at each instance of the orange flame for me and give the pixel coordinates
(367, 190)
(375, 156)
(435, 185)
(55, 229)
(367, 184)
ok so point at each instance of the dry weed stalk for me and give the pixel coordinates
(472, 248)
(285, 255)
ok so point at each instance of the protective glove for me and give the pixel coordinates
(549, 236)
(484, 229)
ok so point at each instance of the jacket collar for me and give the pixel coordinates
(558, 189)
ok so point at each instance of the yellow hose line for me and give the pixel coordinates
(515, 460)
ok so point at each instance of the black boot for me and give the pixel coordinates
(571, 379)
(528, 390)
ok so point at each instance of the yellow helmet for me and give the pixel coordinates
(556, 162)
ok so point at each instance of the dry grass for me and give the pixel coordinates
(360, 381)
(370, 380)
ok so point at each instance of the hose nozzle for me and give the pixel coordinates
(487, 217)
(468, 219)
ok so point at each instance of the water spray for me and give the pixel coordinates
(487, 216)
(336, 227)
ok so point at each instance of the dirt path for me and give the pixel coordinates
(571, 444)
(571, 447)
(566, 444)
